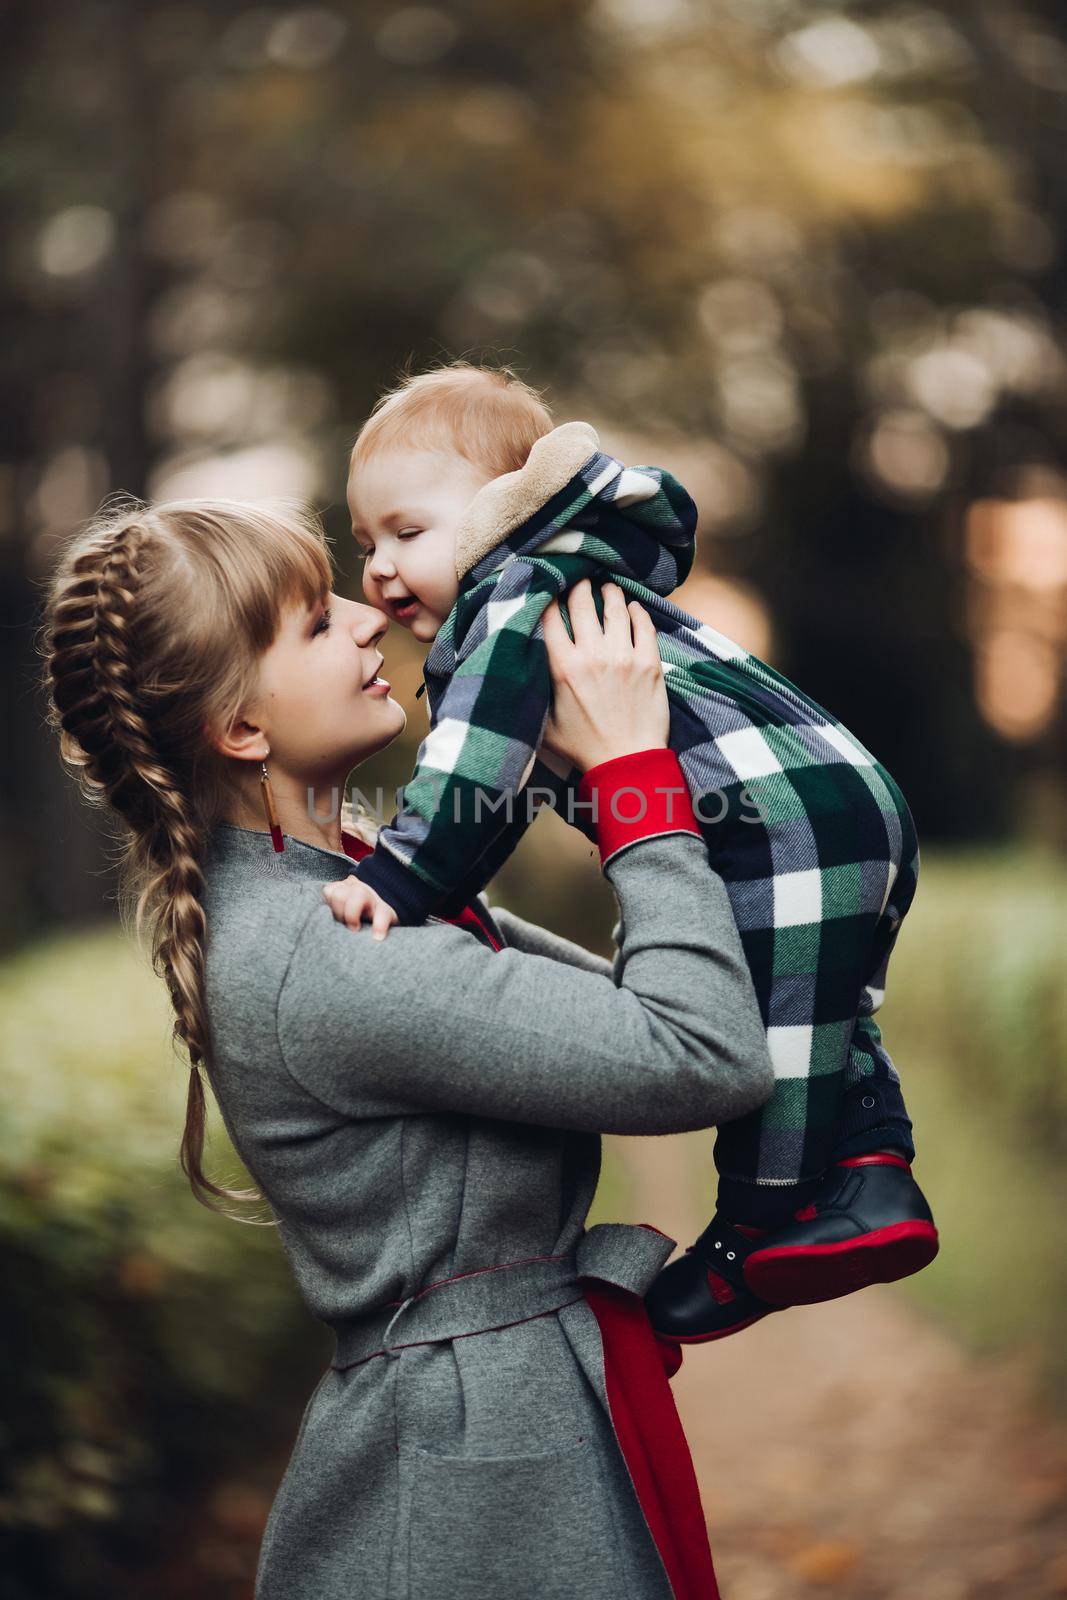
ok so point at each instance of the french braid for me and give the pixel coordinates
(136, 662)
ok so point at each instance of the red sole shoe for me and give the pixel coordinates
(723, 1333)
(805, 1274)
(702, 1296)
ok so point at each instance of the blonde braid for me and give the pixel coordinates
(107, 742)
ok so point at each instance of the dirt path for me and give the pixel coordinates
(853, 1449)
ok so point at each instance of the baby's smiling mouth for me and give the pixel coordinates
(403, 605)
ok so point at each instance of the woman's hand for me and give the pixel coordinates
(609, 698)
(351, 901)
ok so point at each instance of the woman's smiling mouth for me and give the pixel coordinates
(377, 685)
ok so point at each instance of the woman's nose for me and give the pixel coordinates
(368, 623)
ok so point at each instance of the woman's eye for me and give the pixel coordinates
(323, 624)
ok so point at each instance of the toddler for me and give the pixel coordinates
(474, 513)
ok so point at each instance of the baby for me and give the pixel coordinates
(474, 514)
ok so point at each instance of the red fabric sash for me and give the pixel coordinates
(652, 1440)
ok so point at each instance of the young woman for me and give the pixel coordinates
(421, 1111)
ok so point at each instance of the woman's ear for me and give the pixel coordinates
(240, 741)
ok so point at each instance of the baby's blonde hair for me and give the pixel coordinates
(489, 415)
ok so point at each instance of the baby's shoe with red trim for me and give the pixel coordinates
(703, 1295)
(868, 1222)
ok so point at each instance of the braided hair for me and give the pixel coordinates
(156, 620)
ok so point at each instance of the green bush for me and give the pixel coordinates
(980, 970)
(153, 1357)
(976, 1019)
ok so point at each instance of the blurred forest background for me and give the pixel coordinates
(810, 257)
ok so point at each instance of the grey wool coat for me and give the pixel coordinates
(427, 1108)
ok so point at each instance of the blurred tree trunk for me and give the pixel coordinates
(874, 642)
(883, 651)
(56, 854)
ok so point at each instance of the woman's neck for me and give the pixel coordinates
(308, 811)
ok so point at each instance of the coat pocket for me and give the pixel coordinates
(526, 1527)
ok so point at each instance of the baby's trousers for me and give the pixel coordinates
(818, 853)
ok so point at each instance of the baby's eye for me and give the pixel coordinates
(408, 533)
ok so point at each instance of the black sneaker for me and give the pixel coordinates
(703, 1295)
(868, 1223)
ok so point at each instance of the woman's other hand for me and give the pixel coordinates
(609, 697)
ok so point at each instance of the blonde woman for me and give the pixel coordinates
(422, 1111)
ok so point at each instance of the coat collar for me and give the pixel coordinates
(240, 855)
(246, 850)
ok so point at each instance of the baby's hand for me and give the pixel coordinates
(351, 901)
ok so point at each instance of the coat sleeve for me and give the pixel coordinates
(464, 795)
(430, 1020)
(534, 940)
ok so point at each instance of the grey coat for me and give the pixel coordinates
(425, 1107)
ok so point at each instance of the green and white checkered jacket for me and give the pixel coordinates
(810, 833)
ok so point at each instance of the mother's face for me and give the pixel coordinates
(321, 704)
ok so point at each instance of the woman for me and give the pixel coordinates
(420, 1111)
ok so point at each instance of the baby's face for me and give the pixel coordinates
(406, 506)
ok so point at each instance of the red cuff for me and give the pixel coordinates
(637, 797)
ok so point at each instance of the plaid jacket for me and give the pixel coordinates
(486, 675)
(812, 836)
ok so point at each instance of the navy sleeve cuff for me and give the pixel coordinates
(411, 897)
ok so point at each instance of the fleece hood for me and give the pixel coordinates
(636, 522)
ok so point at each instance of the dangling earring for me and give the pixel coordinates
(271, 810)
